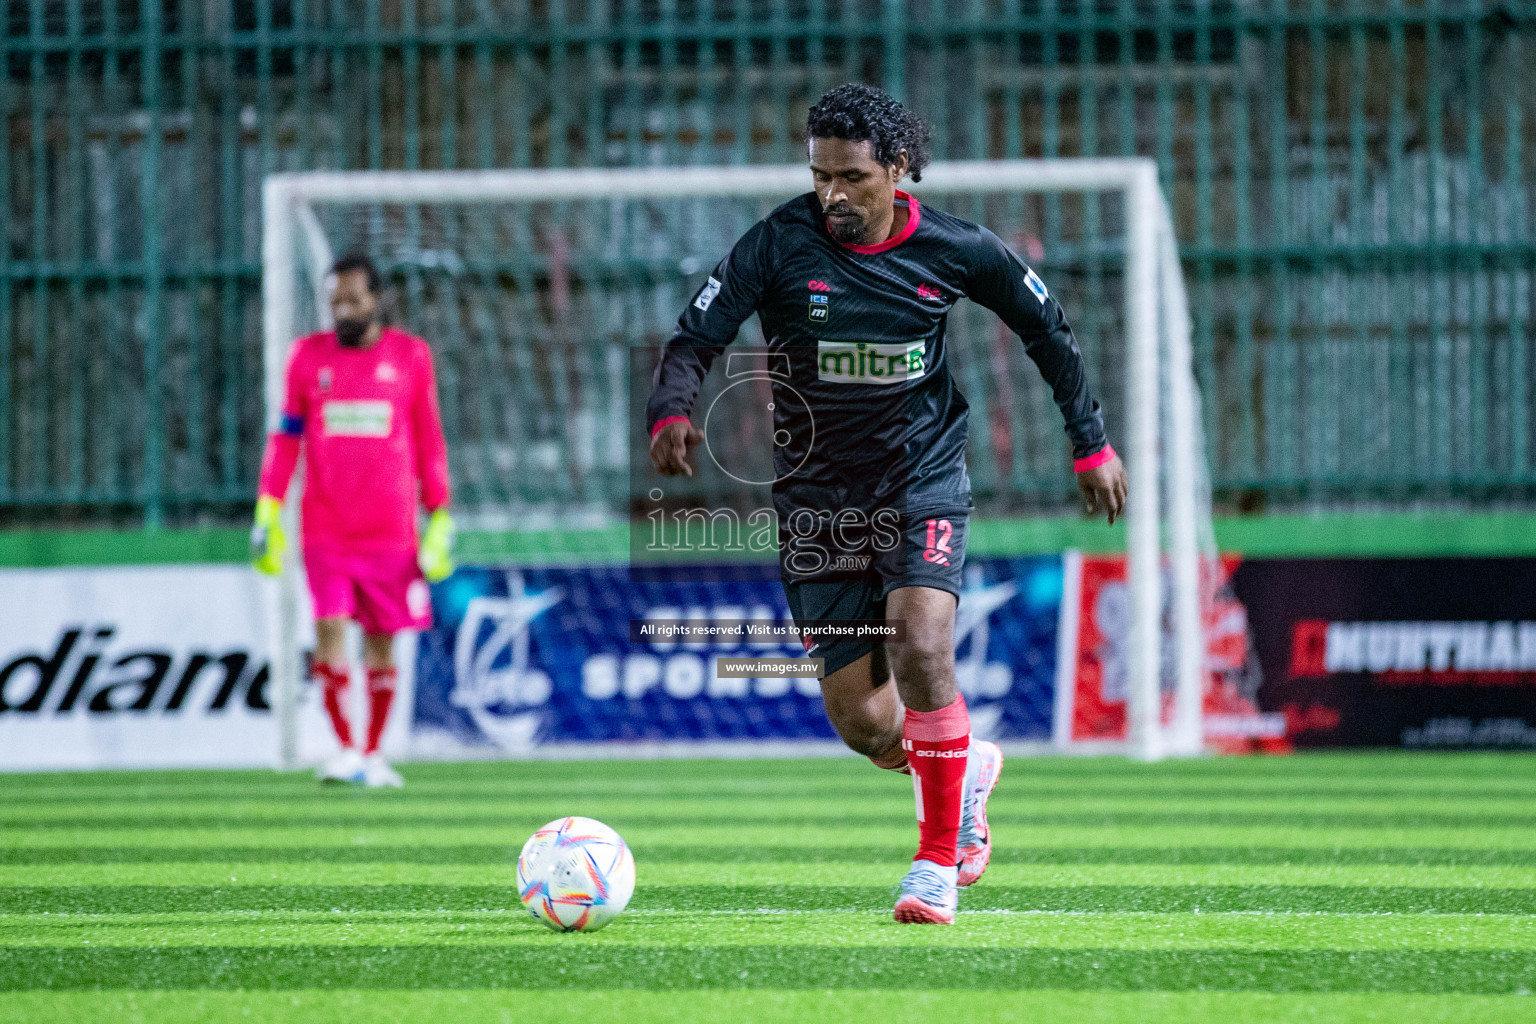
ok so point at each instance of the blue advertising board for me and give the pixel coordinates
(521, 658)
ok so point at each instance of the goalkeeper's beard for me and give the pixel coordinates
(849, 230)
(351, 331)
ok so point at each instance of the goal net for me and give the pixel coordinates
(535, 288)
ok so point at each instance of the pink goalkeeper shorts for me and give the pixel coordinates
(383, 591)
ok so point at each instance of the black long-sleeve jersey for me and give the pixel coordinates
(873, 418)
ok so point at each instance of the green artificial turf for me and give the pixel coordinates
(1380, 887)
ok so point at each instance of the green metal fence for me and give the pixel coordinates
(1351, 182)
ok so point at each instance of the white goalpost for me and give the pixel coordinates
(1168, 517)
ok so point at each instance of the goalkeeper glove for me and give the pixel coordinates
(435, 557)
(267, 541)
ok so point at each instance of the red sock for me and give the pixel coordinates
(938, 743)
(895, 760)
(333, 688)
(381, 694)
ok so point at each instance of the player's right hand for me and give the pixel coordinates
(267, 540)
(669, 448)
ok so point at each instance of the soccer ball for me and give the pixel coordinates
(575, 874)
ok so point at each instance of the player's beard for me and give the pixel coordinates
(850, 230)
(351, 331)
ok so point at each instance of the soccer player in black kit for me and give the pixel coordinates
(853, 283)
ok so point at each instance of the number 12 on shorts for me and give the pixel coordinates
(939, 533)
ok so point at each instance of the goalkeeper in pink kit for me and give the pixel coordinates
(361, 401)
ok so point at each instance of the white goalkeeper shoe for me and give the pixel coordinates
(377, 773)
(346, 765)
(928, 895)
(982, 769)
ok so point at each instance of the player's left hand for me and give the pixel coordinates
(1104, 488)
(436, 555)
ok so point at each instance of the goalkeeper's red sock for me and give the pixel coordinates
(938, 744)
(333, 687)
(381, 694)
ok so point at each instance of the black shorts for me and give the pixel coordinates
(930, 553)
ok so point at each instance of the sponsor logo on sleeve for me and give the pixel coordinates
(1033, 282)
(357, 419)
(868, 363)
(711, 289)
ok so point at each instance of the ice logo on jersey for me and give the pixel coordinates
(493, 681)
(981, 680)
(711, 289)
(1033, 282)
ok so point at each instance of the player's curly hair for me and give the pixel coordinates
(355, 261)
(863, 113)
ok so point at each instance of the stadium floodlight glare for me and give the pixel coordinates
(1161, 433)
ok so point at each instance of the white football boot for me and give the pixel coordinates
(928, 895)
(346, 765)
(377, 774)
(982, 769)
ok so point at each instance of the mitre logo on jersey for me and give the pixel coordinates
(865, 362)
(386, 373)
(929, 292)
(368, 418)
(1428, 652)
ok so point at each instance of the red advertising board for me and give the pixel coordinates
(1098, 661)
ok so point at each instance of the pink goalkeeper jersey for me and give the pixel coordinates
(372, 438)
